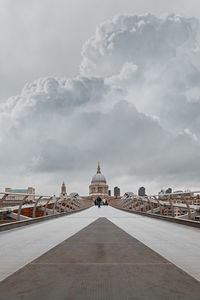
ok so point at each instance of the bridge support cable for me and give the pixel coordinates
(188, 209)
(61, 205)
(55, 205)
(46, 206)
(172, 206)
(35, 205)
(20, 207)
(66, 205)
(159, 205)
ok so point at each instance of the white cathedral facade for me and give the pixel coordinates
(98, 186)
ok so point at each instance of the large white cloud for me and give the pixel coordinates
(145, 40)
(157, 60)
(135, 106)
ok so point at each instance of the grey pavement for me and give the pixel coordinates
(177, 243)
(100, 261)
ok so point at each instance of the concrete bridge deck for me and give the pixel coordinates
(100, 254)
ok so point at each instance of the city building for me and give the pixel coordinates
(141, 191)
(63, 190)
(116, 191)
(15, 198)
(98, 186)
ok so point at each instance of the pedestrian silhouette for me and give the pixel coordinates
(99, 202)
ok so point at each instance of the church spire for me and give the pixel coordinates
(63, 189)
(98, 168)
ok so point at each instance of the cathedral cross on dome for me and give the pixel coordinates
(98, 168)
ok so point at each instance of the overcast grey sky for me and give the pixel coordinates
(41, 38)
(125, 92)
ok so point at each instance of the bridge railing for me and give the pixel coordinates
(12, 205)
(183, 205)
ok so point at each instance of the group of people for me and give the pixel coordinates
(98, 202)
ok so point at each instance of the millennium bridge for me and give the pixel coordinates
(67, 248)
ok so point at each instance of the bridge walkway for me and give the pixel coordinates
(113, 255)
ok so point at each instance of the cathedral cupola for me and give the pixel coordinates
(98, 184)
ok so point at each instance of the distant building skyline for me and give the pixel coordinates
(141, 191)
(116, 191)
(15, 198)
(168, 191)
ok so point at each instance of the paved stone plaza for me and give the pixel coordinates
(100, 254)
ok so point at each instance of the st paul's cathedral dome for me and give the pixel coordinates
(98, 184)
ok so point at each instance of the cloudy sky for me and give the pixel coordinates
(110, 80)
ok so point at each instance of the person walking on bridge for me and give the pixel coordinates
(99, 202)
